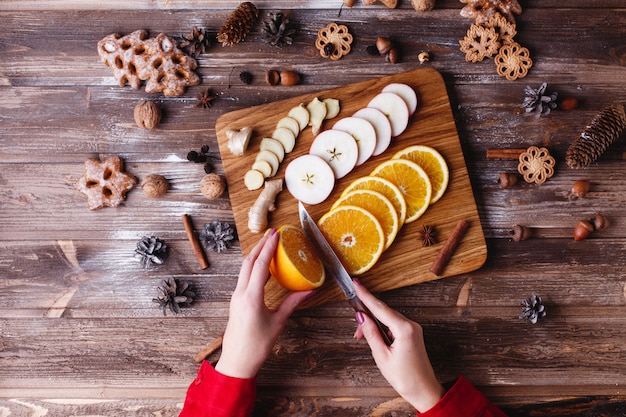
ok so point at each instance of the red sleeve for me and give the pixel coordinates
(463, 400)
(212, 394)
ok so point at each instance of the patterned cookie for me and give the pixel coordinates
(135, 58)
(104, 183)
(333, 41)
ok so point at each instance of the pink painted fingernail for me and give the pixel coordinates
(356, 281)
(360, 317)
(272, 232)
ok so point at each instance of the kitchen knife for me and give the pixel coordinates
(335, 268)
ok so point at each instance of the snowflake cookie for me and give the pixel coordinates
(536, 165)
(479, 43)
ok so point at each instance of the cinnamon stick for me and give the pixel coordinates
(195, 242)
(449, 247)
(209, 349)
(504, 153)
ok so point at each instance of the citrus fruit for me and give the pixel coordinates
(355, 235)
(412, 180)
(433, 163)
(295, 265)
(383, 186)
(378, 205)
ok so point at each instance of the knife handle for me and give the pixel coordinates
(384, 330)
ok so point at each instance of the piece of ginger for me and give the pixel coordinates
(264, 204)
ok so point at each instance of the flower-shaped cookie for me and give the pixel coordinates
(536, 165)
(513, 61)
(479, 43)
(333, 41)
(104, 183)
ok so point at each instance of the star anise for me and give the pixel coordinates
(427, 235)
(205, 100)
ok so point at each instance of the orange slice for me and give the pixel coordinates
(295, 265)
(378, 205)
(386, 188)
(433, 163)
(356, 237)
(412, 180)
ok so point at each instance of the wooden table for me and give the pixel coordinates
(79, 332)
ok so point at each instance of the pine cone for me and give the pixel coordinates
(532, 309)
(277, 31)
(238, 24)
(174, 294)
(538, 101)
(605, 128)
(151, 251)
(217, 236)
(196, 42)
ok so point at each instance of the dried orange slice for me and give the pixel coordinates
(378, 205)
(295, 265)
(383, 186)
(355, 235)
(433, 163)
(412, 180)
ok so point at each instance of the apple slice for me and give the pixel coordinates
(291, 124)
(363, 132)
(338, 149)
(381, 125)
(285, 137)
(406, 93)
(317, 111)
(301, 114)
(396, 110)
(273, 145)
(309, 179)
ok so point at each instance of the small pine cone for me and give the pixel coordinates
(532, 309)
(604, 129)
(151, 251)
(238, 24)
(218, 236)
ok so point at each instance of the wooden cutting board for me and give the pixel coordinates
(406, 262)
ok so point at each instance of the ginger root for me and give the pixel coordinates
(238, 139)
(264, 204)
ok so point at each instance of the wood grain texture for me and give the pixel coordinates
(79, 332)
(431, 125)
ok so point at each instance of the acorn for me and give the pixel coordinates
(519, 232)
(582, 230)
(581, 188)
(383, 45)
(289, 78)
(506, 180)
(272, 77)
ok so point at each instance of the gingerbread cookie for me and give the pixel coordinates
(513, 61)
(135, 58)
(104, 182)
(333, 41)
(479, 43)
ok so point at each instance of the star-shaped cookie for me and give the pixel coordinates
(104, 182)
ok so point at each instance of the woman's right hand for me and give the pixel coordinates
(404, 364)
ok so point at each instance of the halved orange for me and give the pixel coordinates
(386, 188)
(433, 163)
(295, 265)
(355, 235)
(412, 180)
(378, 205)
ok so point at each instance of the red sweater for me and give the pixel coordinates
(212, 394)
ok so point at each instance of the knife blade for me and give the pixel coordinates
(335, 268)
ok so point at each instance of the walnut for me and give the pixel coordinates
(212, 186)
(147, 115)
(154, 185)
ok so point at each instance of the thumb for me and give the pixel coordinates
(371, 334)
